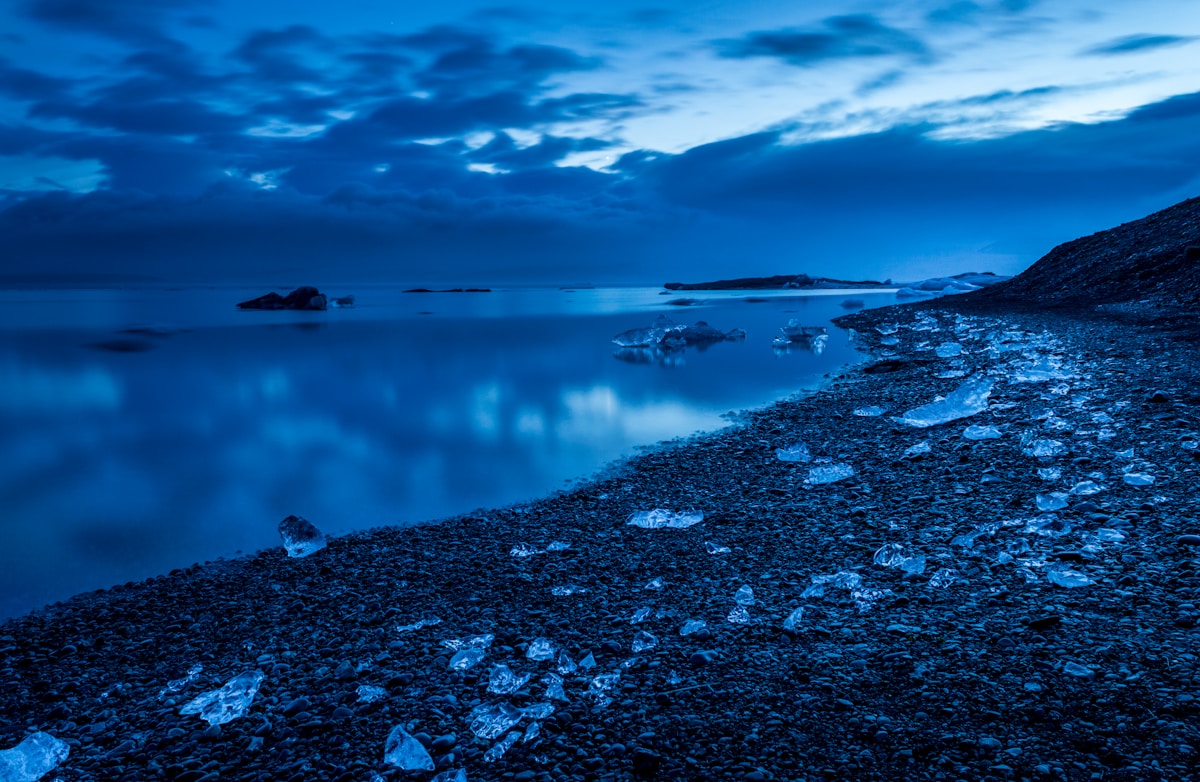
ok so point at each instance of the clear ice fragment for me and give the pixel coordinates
(794, 453)
(866, 599)
(1078, 671)
(1055, 500)
(1041, 370)
(489, 720)
(497, 750)
(1049, 473)
(744, 596)
(566, 591)
(420, 623)
(539, 711)
(1049, 527)
(692, 626)
(1138, 478)
(300, 537)
(913, 566)
(229, 702)
(660, 517)
(643, 641)
(531, 732)
(943, 578)
(793, 619)
(588, 662)
(716, 548)
(739, 616)
(1108, 535)
(466, 658)
(1067, 578)
(524, 550)
(977, 432)
(36, 755)
(470, 642)
(540, 649)
(1045, 448)
(565, 663)
(503, 681)
(968, 399)
(890, 555)
(368, 693)
(1086, 488)
(404, 751)
(558, 545)
(948, 350)
(655, 583)
(889, 341)
(554, 687)
(870, 411)
(919, 449)
(175, 685)
(829, 474)
(1127, 454)
(603, 684)
(640, 615)
(452, 775)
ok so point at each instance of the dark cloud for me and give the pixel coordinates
(279, 56)
(133, 20)
(23, 84)
(840, 38)
(970, 12)
(1133, 44)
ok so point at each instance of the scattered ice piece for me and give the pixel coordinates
(600, 687)
(503, 681)
(794, 453)
(531, 732)
(497, 750)
(1055, 500)
(943, 578)
(967, 539)
(950, 374)
(889, 341)
(368, 693)
(739, 616)
(565, 663)
(1067, 578)
(554, 687)
(865, 599)
(1049, 473)
(420, 623)
(643, 641)
(489, 720)
(406, 752)
(948, 350)
(660, 517)
(914, 566)
(674, 678)
(640, 616)
(540, 649)
(539, 711)
(1127, 454)
(1078, 671)
(1049, 527)
(1043, 369)
(564, 591)
(588, 662)
(890, 555)
(920, 449)
(229, 702)
(452, 775)
(870, 411)
(524, 550)
(716, 548)
(175, 685)
(36, 755)
(1045, 448)
(1109, 535)
(300, 537)
(829, 474)
(655, 583)
(843, 579)
(1187, 445)
(466, 658)
(1102, 418)
(1138, 478)
(558, 545)
(470, 642)
(887, 328)
(1086, 488)
(793, 619)
(692, 626)
(977, 432)
(968, 399)
(744, 596)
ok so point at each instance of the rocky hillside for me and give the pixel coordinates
(1155, 260)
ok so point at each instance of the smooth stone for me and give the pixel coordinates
(702, 658)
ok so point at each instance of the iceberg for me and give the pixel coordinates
(36, 756)
(406, 752)
(968, 399)
(300, 537)
(229, 702)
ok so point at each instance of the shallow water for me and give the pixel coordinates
(127, 454)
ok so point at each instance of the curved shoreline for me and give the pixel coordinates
(929, 682)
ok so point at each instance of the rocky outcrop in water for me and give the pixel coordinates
(305, 297)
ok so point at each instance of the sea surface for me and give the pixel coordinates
(145, 430)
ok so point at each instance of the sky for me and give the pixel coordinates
(212, 141)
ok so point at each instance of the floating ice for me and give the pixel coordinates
(968, 399)
(640, 616)
(716, 548)
(870, 412)
(1055, 500)
(794, 453)
(1067, 578)
(976, 432)
(406, 752)
(300, 537)
(655, 583)
(920, 449)
(565, 664)
(660, 517)
(503, 681)
(36, 756)
(489, 720)
(829, 474)
(466, 658)
(744, 596)
(692, 626)
(540, 649)
(229, 702)
(497, 750)
(1138, 478)
(1049, 473)
(558, 545)
(369, 694)
(554, 687)
(1045, 448)
(564, 591)
(524, 550)
(1086, 488)
(643, 641)
(948, 350)
(420, 623)
(943, 578)
(793, 619)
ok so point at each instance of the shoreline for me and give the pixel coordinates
(844, 693)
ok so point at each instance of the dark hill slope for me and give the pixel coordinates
(1156, 258)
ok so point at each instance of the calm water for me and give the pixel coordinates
(124, 455)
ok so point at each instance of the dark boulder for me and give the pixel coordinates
(305, 297)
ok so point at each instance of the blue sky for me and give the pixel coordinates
(208, 141)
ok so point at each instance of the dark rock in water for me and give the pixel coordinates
(886, 366)
(123, 345)
(1158, 397)
(300, 537)
(1188, 540)
(305, 297)
(1044, 622)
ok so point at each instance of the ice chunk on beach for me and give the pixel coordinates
(889, 341)
(660, 517)
(466, 658)
(794, 453)
(913, 566)
(369, 693)
(588, 662)
(918, 449)
(554, 687)
(716, 548)
(36, 756)
(229, 702)
(565, 664)
(870, 412)
(558, 545)
(640, 615)
(890, 555)
(968, 399)
(497, 750)
(1138, 478)
(489, 720)
(566, 591)
(1041, 370)
(453, 775)
(1055, 500)
(655, 583)
(503, 681)
(831, 473)
(943, 578)
(482, 641)
(843, 579)
(175, 685)
(948, 350)
(420, 623)
(1067, 578)
(300, 537)
(744, 596)
(1049, 473)
(866, 599)
(793, 619)
(540, 649)
(643, 641)
(692, 626)
(976, 432)
(1045, 448)
(1049, 527)
(739, 616)
(1086, 488)
(1078, 671)
(404, 751)
(524, 550)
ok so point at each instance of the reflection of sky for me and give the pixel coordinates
(116, 466)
